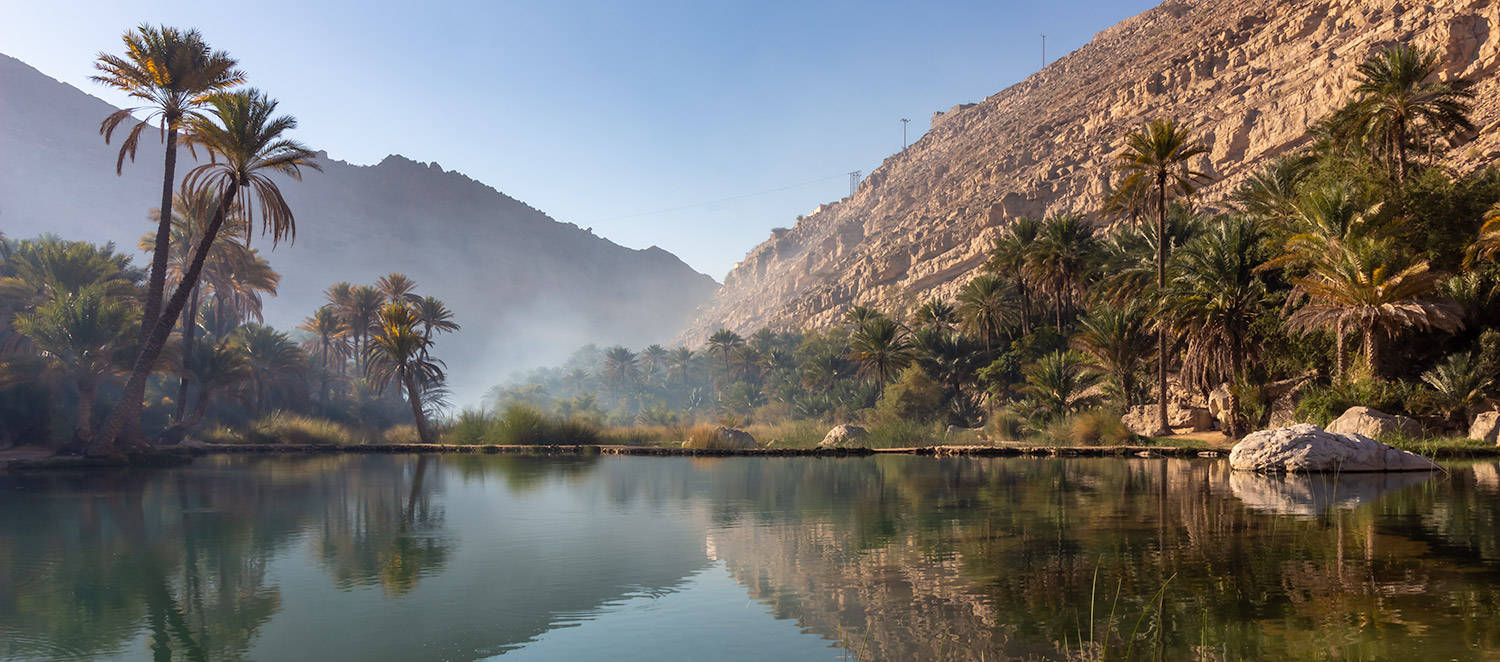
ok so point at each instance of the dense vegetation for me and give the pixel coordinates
(1358, 260)
(99, 356)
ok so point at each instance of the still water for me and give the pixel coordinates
(890, 558)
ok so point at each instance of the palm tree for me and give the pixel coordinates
(1058, 384)
(723, 342)
(212, 367)
(653, 361)
(1213, 299)
(1119, 339)
(1270, 192)
(859, 314)
(175, 73)
(1370, 286)
(398, 353)
(249, 144)
(986, 308)
(936, 314)
(679, 365)
(621, 369)
(1462, 385)
(1158, 160)
(434, 316)
(360, 310)
(1127, 259)
(880, 348)
(398, 287)
(1399, 105)
(81, 334)
(1009, 257)
(1061, 255)
(1487, 245)
(270, 356)
(326, 341)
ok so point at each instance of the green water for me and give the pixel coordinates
(892, 558)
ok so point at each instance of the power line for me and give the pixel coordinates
(718, 201)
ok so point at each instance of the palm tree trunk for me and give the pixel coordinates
(1161, 288)
(83, 428)
(415, 399)
(1340, 361)
(1237, 371)
(1025, 308)
(129, 407)
(156, 285)
(189, 329)
(1400, 138)
(1057, 300)
(1372, 350)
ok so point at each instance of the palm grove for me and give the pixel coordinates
(103, 357)
(1357, 261)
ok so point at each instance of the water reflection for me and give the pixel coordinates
(395, 557)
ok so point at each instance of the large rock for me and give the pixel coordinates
(1142, 419)
(844, 436)
(1486, 427)
(1309, 448)
(724, 438)
(1219, 401)
(1375, 424)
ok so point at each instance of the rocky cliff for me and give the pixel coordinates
(1248, 75)
(527, 289)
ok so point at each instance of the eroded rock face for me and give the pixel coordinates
(1142, 419)
(1249, 76)
(1486, 427)
(1375, 424)
(844, 436)
(1309, 448)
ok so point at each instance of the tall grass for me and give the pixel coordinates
(519, 425)
(283, 428)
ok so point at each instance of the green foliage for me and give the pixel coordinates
(912, 397)
(519, 425)
(1322, 403)
(903, 433)
(1095, 427)
(280, 427)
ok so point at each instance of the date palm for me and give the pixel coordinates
(326, 341)
(1156, 165)
(359, 309)
(248, 143)
(621, 369)
(653, 361)
(1462, 385)
(1271, 191)
(1009, 257)
(174, 73)
(1399, 105)
(1119, 339)
(82, 334)
(398, 354)
(212, 367)
(880, 348)
(936, 314)
(1061, 255)
(1487, 245)
(1215, 296)
(1060, 383)
(679, 365)
(398, 287)
(723, 342)
(271, 357)
(986, 307)
(434, 316)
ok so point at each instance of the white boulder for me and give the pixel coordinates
(1309, 448)
(1375, 424)
(844, 436)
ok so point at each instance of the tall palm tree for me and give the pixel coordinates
(326, 341)
(1399, 105)
(434, 316)
(82, 334)
(271, 357)
(398, 287)
(723, 342)
(213, 367)
(986, 308)
(679, 365)
(1157, 165)
(621, 369)
(860, 313)
(1368, 285)
(1063, 252)
(1119, 339)
(174, 73)
(1213, 299)
(249, 144)
(398, 353)
(1009, 257)
(653, 361)
(360, 310)
(880, 348)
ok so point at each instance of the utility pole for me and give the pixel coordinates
(1044, 51)
(853, 182)
(903, 133)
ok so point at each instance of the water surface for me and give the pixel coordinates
(889, 558)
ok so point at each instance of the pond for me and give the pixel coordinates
(378, 557)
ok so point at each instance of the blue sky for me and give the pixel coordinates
(604, 113)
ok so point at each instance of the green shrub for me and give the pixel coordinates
(912, 397)
(902, 433)
(789, 434)
(219, 434)
(1321, 404)
(523, 424)
(283, 428)
(1098, 427)
(471, 427)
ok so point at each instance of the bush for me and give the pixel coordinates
(1097, 428)
(1005, 425)
(912, 397)
(283, 428)
(1322, 404)
(523, 424)
(219, 434)
(790, 434)
(401, 434)
(471, 427)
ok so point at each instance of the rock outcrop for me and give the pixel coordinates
(1486, 427)
(1375, 424)
(1143, 419)
(1308, 448)
(1249, 76)
(844, 436)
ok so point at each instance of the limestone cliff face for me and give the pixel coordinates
(1248, 76)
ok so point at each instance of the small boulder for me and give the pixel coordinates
(1309, 448)
(1219, 401)
(1375, 424)
(1486, 427)
(723, 438)
(844, 436)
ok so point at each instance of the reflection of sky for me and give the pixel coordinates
(672, 627)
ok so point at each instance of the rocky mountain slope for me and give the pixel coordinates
(1248, 75)
(526, 288)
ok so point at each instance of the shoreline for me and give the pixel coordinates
(182, 455)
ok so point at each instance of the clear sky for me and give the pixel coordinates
(606, 113)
